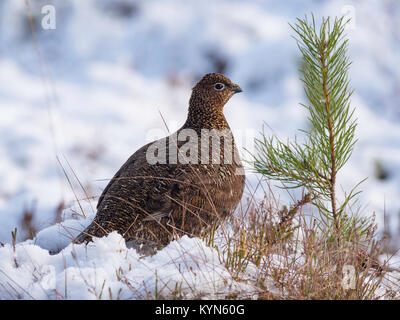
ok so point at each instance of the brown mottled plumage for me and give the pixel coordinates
(150, 204)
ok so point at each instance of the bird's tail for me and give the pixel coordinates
(93, 230)
(82, 237)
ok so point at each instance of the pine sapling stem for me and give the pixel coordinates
(331, 139)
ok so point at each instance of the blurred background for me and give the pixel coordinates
(83, 84)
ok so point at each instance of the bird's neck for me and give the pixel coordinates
(205, 116)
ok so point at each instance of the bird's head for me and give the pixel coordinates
(214, 89)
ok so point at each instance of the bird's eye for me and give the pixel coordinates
(219, 86)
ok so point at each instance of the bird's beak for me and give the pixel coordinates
(236, 89)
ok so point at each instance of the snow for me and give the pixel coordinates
(94, 95)
(107, 269)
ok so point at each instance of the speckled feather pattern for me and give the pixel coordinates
(151, 204)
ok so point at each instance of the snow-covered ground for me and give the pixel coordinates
(91, 92)
(106, 269)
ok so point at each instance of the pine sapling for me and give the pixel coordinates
(328, 144)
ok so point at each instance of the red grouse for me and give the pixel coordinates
(182, 184)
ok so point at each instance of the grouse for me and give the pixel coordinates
(185, 183)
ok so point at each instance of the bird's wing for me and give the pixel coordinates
(132, 159)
